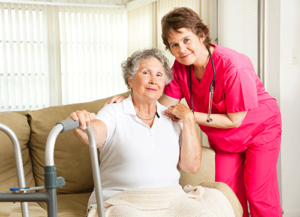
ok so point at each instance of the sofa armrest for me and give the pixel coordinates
(206, 172)
(230, 195)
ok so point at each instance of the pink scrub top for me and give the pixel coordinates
(237, 88)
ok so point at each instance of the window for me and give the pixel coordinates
(93, 45)
(85, 44)
(237, 27)
(23, 74)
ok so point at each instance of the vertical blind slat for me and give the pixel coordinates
(45, 68)
(82, 57)
(93, 53)
(87, 53)
(114, 55)
(103, 47)
(76, 61)
(70, 57)
(64, 63)
(33, 89)
(39, 54)
(11, 68)
(25, 58)
(19, 84)
(124, 41)
(120, 34)
(4, 105)
(109, 51)
(105, 53)
(4, 80)
(99, 56)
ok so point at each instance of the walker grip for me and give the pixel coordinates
(69, 124)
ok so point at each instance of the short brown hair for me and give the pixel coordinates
(184, 18)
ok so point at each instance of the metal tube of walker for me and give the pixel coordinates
(96, 171)
(70, 124)
(19, 164)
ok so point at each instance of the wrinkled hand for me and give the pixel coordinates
(84, 118)
(178, 112)
(116, 99)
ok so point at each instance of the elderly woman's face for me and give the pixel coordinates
(149, 81)
(186, 46)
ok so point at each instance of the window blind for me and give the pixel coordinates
(93, 45)
(142, 28)
(86, 45)
(237, 27)
(23, 71)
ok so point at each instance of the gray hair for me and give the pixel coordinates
(132, 64)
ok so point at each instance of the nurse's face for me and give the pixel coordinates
(149, 81)
(186, 46)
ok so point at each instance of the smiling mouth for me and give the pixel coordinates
(186, 55)
(151, 89)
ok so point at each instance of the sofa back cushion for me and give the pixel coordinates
(206, 172)
(8, 175)
(71, 157)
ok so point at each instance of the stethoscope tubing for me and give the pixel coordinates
(211, 88)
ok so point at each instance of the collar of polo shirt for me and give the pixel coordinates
(129, 108)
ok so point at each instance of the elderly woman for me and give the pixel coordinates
(140, 147)
(230, 104)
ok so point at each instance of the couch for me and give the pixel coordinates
(72, 161)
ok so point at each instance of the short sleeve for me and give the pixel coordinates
(240, 90)
(173, 89)
(108, 115)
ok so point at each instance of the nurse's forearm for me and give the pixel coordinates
(190, 151)
(224, 121)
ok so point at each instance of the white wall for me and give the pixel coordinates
(283, 82)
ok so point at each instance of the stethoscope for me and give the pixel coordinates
(211, 88)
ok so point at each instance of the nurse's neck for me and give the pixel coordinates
(201, 63)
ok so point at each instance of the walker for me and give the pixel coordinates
(51, 181)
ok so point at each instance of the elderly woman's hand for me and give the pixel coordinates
(85, 119)
(179, 112)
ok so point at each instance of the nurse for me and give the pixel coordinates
(245, 130)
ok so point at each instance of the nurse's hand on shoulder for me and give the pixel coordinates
(179, 113)
(85, 119)
(116, 99)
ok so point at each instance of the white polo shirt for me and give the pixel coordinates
(135, 155)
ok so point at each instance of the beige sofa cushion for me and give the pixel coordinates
(18, 124)
(206, 172)
(14, 210)
(71, 157)
(71, 205)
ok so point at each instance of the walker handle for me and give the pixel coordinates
(69, 124)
